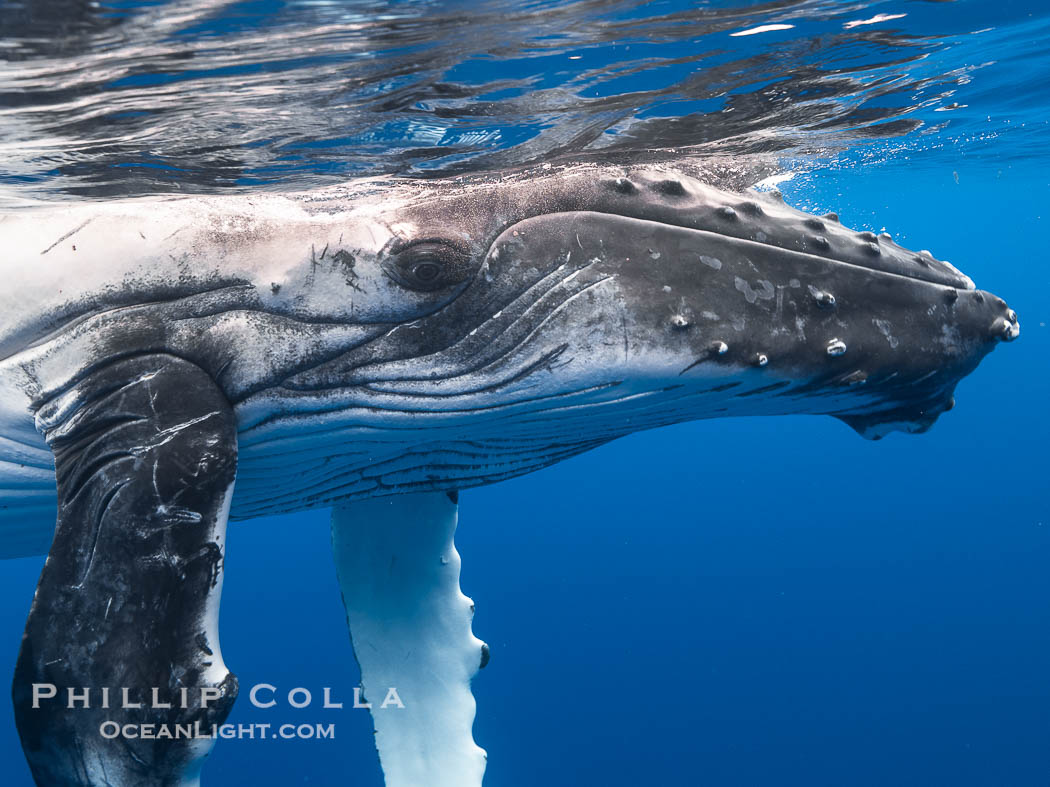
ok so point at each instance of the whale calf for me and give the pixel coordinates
(169, 363)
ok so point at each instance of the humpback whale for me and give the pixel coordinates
(167, 364)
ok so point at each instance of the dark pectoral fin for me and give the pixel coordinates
(145, 458)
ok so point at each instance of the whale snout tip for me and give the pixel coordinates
(1006, 328)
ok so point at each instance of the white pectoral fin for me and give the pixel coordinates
(411, 629)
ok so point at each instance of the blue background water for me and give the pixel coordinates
(742, 601)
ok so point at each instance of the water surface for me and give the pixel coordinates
(106, 99)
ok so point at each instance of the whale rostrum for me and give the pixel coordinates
(168, 363)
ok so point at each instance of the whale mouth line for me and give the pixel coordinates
(920, 268)
(915, 275)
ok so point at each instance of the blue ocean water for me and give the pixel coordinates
(731, 602)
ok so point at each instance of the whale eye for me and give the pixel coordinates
(428, 265)
(426, 271)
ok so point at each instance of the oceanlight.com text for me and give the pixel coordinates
(256, 731)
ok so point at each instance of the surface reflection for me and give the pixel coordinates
(98, 99)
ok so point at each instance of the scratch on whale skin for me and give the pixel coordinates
(69, 234)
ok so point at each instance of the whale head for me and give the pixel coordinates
(554, 313)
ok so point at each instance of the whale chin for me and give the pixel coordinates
(909, 420)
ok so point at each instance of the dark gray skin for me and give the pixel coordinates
(123, 599)
(497, 326)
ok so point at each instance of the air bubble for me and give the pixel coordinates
(836, 347)
(761, 359)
